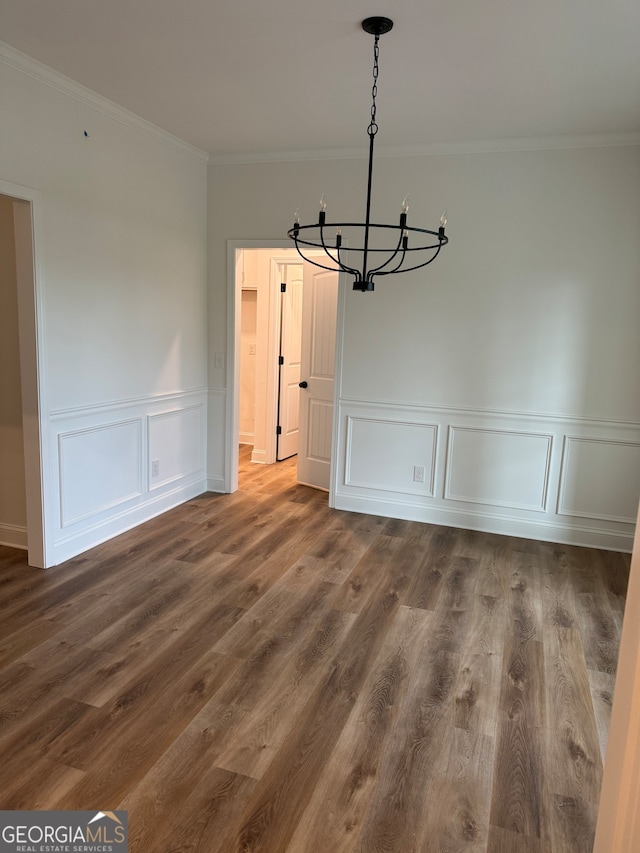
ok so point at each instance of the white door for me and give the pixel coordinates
(319, 310)
(289, 368)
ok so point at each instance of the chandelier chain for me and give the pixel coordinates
(373, 126)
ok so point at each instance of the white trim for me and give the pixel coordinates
(126, 403)
(39, 475)
(516, 414)
(428, 490)
(449, 496)
(152, 417)
(216, 425)
(75, 544)
(232, 402)
(566, 452)
(436, 149)
(200, 408)
(482, 511)
(216, 485)
(64, 438)
(60, 82)
(136, 503)
(487, 522)
(66, 86)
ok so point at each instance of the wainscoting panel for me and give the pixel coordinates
(498, 467)
(600, 479)
(175, 445)
(104, 456)
(99, 468)
(382, 454)
(573, 480)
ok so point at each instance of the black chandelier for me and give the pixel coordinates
(377, 259)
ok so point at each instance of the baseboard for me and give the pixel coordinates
(259, 456)
(70, 547)
(13, 536)
(216, 484)
(565, 534)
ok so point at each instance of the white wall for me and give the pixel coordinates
(121, 281)
(13, 507)
(508, 368)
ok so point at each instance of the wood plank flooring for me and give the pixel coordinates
(256, 672)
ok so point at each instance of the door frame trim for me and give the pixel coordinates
(32, 360)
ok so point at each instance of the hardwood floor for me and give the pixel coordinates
(256, 672)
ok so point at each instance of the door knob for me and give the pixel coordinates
(303, 384)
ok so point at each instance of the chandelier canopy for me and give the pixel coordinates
(383, 249)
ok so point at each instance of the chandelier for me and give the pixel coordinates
(384, 249)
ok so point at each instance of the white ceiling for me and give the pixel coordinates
(243, 77)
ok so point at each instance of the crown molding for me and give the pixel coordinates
(43, 73)
(473, 146)
(287, 156)
(65, 85)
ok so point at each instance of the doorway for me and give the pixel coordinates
(267, 350)
(13, 499)
(21, 432)
(269, 297)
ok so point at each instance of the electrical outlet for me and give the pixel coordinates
(252, 349)
(418, 473)
(155, 468)
(218, 360)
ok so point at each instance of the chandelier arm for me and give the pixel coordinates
(328, 253)
(381, 271)
(316, 264)
(340, 268)
(293, 234)
(391, 258)
(344, 267)
(417, 266)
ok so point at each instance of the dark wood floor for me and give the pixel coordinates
(256, 672)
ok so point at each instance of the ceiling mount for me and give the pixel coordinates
(377, 26)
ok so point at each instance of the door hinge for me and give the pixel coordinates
(278, 430)
(280, 359)
(283, 287)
